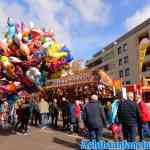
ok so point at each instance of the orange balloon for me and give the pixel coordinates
(26, 32)
(11, 87)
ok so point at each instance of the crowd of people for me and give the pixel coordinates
(126, 118)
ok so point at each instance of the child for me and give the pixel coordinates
(4, 116)
(117, 132)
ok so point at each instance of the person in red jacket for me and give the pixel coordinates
(145, 118)
(77, 114)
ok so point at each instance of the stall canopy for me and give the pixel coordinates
(80, 78)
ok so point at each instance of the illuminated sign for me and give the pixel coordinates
(81, 77)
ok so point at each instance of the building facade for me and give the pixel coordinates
(120, 59)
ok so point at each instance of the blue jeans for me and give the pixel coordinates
(44, 118)
(129, 132)
(95, 134)
(143, 130)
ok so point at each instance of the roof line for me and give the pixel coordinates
(124, 36)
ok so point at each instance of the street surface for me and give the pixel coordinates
(46, 139)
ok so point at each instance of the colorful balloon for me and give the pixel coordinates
(54, 51)
(46, 42)
(24, 49)
(33, 73)
(69, 57)
(39, 54)
(18, 37)
(10, 71)
(4, 60)
(14, 59)
(28, 56)
(11, 87)
(11, 28)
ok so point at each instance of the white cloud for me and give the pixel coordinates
(138, 17)
(95, 11)
(46, 13)
(41, 13)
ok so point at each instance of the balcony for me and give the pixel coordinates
(99, 66)
(147, 59)
(93, 60)
(146, 73)
(104, 56)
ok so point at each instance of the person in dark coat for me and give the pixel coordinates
(26, 112)
(94, 118)
(54, 112)
(36, 114)
(71, 116)
(129, 117)
(65, 113)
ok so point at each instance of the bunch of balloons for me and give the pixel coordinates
(28, 56)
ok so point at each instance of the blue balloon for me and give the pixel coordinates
(69, 57)
(30, 36)
(11, 28)
(39, 54)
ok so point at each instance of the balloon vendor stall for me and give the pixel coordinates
(28, 57)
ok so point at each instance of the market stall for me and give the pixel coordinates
(78, 86)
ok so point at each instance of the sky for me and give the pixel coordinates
(84, 26)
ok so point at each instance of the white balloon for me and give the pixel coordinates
(4, 43)
(18, 37)
(33, 73)
(14, 59)
(31, 24)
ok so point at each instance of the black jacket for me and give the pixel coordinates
(54, 109)
(94, 116)
(128, 113)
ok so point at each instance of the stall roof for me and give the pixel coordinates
(83, 77)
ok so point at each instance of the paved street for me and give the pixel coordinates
(47, 139)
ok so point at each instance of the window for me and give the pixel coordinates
(106, 68)
(109, 56)
(127, 72)
(126, 59)
(119, 50)
(120, 62)
(121, 74)
(125, 47)
(147, 51)
(128, 82)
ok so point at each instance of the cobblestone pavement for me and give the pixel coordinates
(46, 139)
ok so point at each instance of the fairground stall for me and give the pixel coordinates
(80, 85)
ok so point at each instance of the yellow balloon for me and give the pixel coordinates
(54, 50)
(4, 60)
